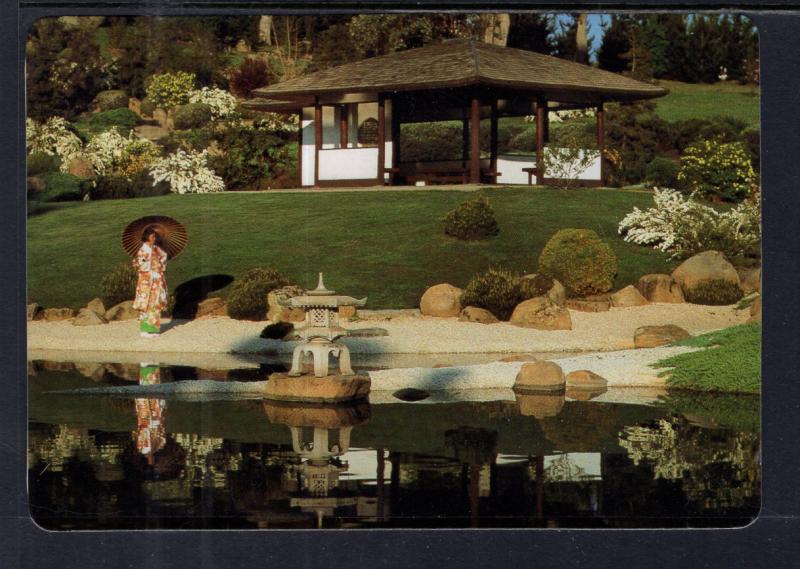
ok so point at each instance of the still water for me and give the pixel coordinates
(535, 461)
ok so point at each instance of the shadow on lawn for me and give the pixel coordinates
(191, 293)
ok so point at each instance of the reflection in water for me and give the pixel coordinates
(539, 461)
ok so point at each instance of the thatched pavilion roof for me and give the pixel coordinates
(464, 63)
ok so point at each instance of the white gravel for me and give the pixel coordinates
(408, 334)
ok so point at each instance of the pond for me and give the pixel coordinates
(540, 461)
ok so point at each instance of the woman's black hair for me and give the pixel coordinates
(149, 231)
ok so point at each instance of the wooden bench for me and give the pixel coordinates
(442, 177)
(531, 173)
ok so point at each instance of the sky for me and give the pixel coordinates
(595, 25)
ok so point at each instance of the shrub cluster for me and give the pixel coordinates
(168, 90)
(191, 115)
(580, 260)
(717, 170)
(248, 297)
(113, 187)
(119, 284)
(122, 119)
(61, 188)
(498, 290)
(253, 73)
(715, 292)
(472, 220)
(661, 173)
(252, 157)
(38, 163)
(112, 99)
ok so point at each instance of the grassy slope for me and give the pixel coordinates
(688, 100)
(731, 361)
(388, 245)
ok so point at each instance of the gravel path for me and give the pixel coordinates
(408, 334)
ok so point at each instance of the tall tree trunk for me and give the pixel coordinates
(581, 39)
(496, 29)
(265, 30)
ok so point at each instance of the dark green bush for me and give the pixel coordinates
(119, 284)
(472, 220)
(248, 297)
(715, 293)
(725, 128)
(662, 173)
(39, 163)
(634, 136)
(192, 115)
(431, 141)
(497, 290)
(147, 107)
(752, 138)
(195, 139)
(108, 100)
(61, 188)
(252, 157)
(119, 187)
(536, 285)
(123, 119)
(580, 260)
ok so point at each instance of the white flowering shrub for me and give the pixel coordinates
(222, 103)
(682, 227)
(277, 122)
(106, 151)
(52, 138)
(187, 173)
(168, 90)
(714, 169)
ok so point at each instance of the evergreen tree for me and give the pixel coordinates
(532, 32)
(675, 52)
(615, 42)
(704, 45)
(565, 39)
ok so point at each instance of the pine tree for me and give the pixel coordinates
(615, 42)
(532, 32)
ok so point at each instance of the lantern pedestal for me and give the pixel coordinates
(321, 350)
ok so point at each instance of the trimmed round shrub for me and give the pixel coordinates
(120, 187)
(192, 115)
(40, 163)
(248, 297)
(713, 169)
(119, 284)
(113, 99)
(147, 107)
(497, 290)
(168, 90)
(471, 220)
(715, 293)
(580, 260)
(661, 173)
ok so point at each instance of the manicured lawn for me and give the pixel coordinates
(731, 361)
(388, 245)
(690, 100)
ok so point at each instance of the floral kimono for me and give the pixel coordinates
(150, 432)
(151, 288)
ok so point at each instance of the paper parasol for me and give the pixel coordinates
(173, 234)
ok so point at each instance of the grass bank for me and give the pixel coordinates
(388, 245)
(730, 363)
(704, 101)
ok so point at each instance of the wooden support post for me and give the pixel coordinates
(601, 139)
(464, 137)
(381, 139)
(493, 138)
(475, 142)
(343, 135)
(546, 125)
(317, 139)
(541, 106)
(300, 149)
(395, 134)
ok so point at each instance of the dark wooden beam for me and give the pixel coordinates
(541, 109)
(300, 149)
(343, 134)
(464, 136)
(493, 137)
(381, 139)
(317, 139)
(475, 142)
(395, 134)
(547, 124)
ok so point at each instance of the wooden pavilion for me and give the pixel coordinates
(350, 115)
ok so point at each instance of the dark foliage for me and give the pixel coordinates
(39, 163)
(119, 187)
(248, 296)
(277, 331)
(119, 284)
(498, 290)
(253, 73)
(715, 293)
(191, 115)
(251, 157)
(662, 173)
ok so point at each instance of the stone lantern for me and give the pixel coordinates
(321, 329)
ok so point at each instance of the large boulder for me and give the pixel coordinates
(755, 310)
(654, 336)
(311, 389)
(660, 288)
(213, 306)
(479, 315)
(627, 297)
(277, 312)
(122, 311)
(542, 314)
(32, 310)
(588, 304)
(442, 300)
(703, 268)
(81, 168)
(750, 278)
(540, 376)
(87, 317)
(96, 306)
(348, 312)
(55, 314)
(585, 379)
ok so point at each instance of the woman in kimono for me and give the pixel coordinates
(151, 287)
